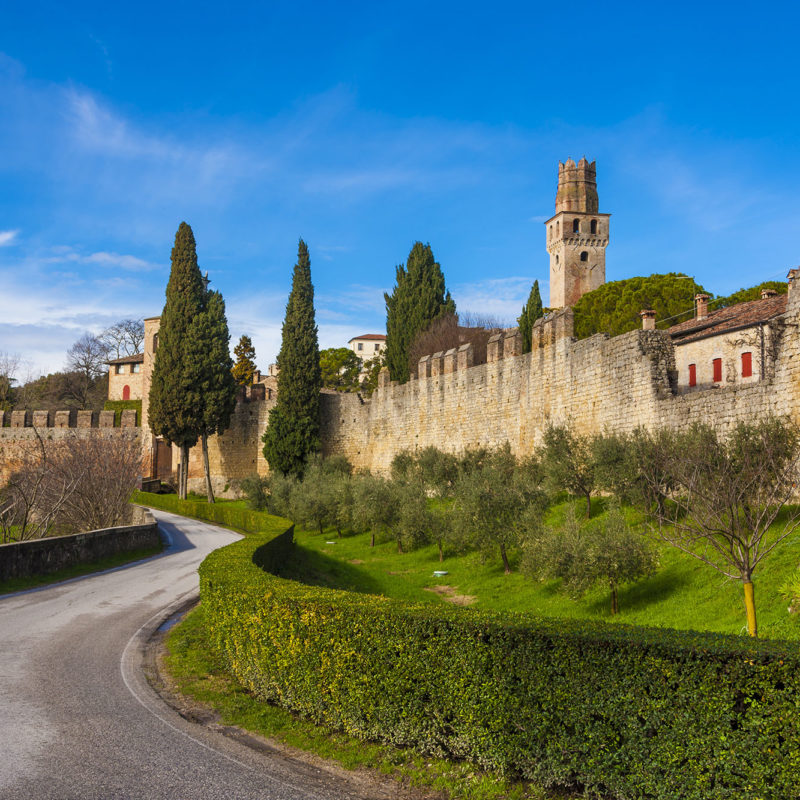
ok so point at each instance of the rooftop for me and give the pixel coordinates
(137, 358)
(742, 315)
(372, 337)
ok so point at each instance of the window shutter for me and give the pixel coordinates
(717, 370)
(747, 365)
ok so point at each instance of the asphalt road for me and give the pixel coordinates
(78, 718)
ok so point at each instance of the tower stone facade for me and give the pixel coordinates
(577, 236)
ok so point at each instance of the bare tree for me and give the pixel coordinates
(103, 473)
(124, 338)
(9, 365)
(87, 359)
(727, 498)
(32, 496)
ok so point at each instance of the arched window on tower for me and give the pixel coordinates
(594, 226)
(126, 392)
(584, 256)
(576, 226)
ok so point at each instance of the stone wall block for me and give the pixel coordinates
(64, 419)
(106, 419)
(466, 356)
(258, 392)
(128, 418)
(20, 419)
(436, 364)
(41, 419)
(383, 378)
(494, 347)
(86, 419)
(450, 361)
(3, 417)
(512, 344)
(424, 367)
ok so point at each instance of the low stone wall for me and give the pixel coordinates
(45, 556)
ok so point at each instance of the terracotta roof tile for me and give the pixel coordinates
(725, 319)
(137, 358)
(377, 337)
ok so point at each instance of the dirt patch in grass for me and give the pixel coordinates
(356, 561)
(450, 593)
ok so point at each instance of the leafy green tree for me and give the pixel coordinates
(418, 298)
(726, 494)
(415, 522)
(753, 293)
(568, 462)
(369, 378)
(375, 507)
(531, 311)
(245, 366)
(293, 431)
(492, 502)
(583, 555)
(614, 307)
(173, 412)
(213, 386)
(340, 368)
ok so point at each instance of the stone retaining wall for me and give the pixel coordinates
(45, 556)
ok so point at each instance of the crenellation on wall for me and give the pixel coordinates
(127, 418)
(40, 419)
(424, 368)
(449, 361)
(466, 357)
(437, 365)
(20, 419)
(106, 419)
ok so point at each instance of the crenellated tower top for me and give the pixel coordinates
(577, 235)
(577, 187)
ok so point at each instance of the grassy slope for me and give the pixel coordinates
(684, 593)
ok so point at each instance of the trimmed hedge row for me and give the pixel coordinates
(242, 519)
(625, 711)
(118, 406)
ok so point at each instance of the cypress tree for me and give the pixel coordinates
(293, 431)
(531, 311)
(173, 413)
(245, 366)
(213, 386)
(418, 298)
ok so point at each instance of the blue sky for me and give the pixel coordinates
(363, 127)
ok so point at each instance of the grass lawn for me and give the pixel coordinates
(684, 593)
(20, 584)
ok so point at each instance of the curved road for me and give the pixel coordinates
(79, 720)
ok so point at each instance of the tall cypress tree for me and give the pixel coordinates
(293, 430)
(213, 386)
(245, 365)
(531, 311)
(418, 298)
(173, 413)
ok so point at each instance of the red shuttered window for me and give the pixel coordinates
(747, 365)
(717, 370)
(692, 375)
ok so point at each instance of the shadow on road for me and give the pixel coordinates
(171, 532)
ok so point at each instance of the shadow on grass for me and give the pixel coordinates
(642, 594)
(316, 569)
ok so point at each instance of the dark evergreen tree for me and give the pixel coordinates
(418, 298)
(173, 410)
(293, 431)
(531, 311)
(245, 366)
(213, 386)
(614, 307)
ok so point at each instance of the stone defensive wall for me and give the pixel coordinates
(596, 384)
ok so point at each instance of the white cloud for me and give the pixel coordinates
(7, 237)
(119, 260)
(500, 298)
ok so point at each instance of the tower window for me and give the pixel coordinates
(576, 226)
(558, 227)
(556, 259)
(584, 256)
(594, 226)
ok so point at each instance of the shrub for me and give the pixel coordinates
(623, 711)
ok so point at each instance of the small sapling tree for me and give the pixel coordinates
(375, 506)
(727, 494)
(568, 462)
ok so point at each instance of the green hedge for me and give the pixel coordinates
(629, 712)
(118, 406)
(242, 519)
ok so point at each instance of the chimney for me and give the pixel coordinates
(257, 376)
(792, 277)
(648, 319)
(765, 293)
(701, 306)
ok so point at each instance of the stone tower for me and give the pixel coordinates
(577, 235)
